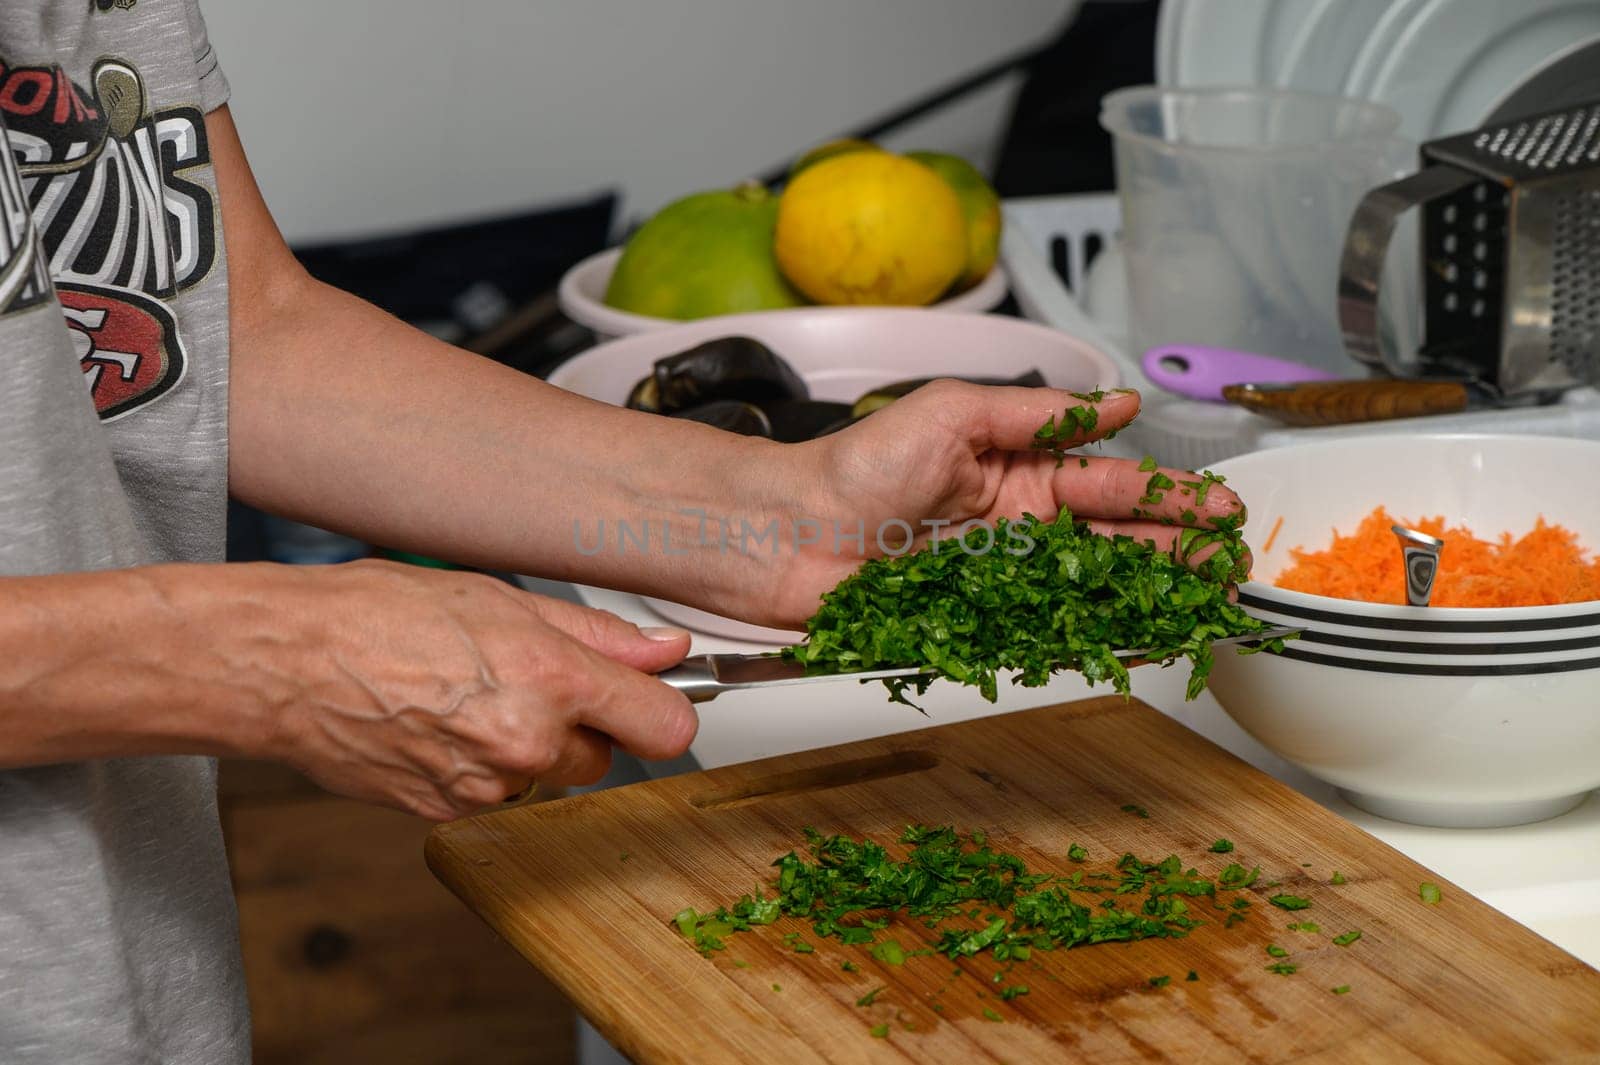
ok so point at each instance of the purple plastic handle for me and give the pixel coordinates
(1201, 373)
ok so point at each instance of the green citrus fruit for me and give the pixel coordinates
(980, 206)
(710, 253)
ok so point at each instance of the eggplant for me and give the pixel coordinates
(727, 368)
(794, 420)
(736, 416)
(882, 397)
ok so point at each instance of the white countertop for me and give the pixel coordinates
(1546, 875)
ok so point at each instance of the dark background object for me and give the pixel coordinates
(463, 280)
(1054, 144)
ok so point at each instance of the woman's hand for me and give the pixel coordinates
(441, 693)
(953, 452)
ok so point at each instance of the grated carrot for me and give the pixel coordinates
(1272, 537)
(1544, 567)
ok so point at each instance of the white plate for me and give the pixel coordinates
(1382, 37)
(1226, 42)
(1453, 59)
(1326, 43)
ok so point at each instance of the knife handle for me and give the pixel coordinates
(694, 678)
(1343, 402)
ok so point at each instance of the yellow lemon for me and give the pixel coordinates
(980, 205)
(870, 227)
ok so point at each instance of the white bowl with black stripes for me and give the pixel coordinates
(1451, 717)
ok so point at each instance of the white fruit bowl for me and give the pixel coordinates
(841, 353)
(583, 290)
(1448, 717)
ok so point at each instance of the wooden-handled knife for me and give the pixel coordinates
(704, 677)
(1346, 402)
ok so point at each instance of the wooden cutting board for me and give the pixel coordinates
(585, 888)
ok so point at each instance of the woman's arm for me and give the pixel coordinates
(346, 417)
(431, 691)
(343, 416)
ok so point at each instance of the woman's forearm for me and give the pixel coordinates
(118, 663)
(348, 418)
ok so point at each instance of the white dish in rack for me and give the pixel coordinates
(1443, 64)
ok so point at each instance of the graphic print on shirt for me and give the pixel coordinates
(121, 226)
(24, 280)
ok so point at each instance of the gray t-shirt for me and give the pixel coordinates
(118, 934)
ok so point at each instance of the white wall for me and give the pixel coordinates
(364, 116)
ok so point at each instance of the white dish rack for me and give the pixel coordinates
(1045, 230)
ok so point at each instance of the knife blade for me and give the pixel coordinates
(704, 677)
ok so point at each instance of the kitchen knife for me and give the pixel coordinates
(704, 677)
(1345, 402)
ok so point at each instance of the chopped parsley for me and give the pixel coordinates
(1034, 597)
(847, 889)
(1137, 811)
(992, 1015)
(879, 1031)
(1338, 878)
(1342, 989)
(1430, 894)
(1304, 926)
(1235, 878)
(1221, 846)
(1147, 464)
(1054, 437)
(1156, 487)
(982, 902)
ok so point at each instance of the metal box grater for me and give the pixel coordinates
(1510, 254)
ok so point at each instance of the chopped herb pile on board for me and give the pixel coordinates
(981, 903)
(1036, 597)
(846, 886)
